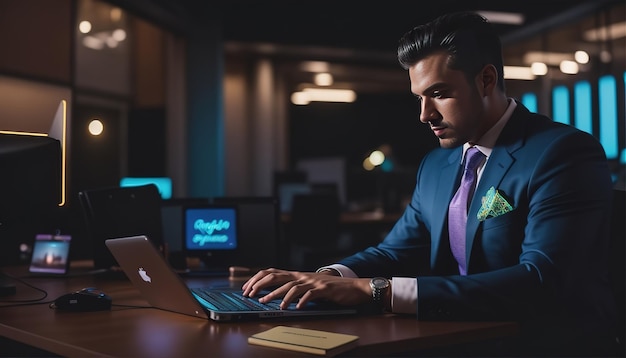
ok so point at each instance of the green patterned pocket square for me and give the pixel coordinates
(493, 204)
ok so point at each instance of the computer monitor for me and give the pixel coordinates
(30, 191)
(259, 230)
(211, 234)
(32, 187)
(164, 184)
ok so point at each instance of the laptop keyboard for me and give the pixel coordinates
(233, 300)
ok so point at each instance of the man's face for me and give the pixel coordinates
(449, 104)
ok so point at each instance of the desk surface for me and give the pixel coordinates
(141, 332)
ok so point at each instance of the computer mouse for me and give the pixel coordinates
(87, 299)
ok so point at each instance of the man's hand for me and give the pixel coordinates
(308, 286)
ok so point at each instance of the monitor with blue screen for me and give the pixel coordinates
(164, 184)
(209, 228)
(211, 234)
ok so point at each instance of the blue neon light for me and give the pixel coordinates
(582, 106)
(163, 184)
(529, 100)
(607, 95)
(560, 104)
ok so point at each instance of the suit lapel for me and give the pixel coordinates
(447, 183)
(499, 163)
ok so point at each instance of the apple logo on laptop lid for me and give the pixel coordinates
(144, 275)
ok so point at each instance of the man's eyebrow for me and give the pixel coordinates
(434, 87)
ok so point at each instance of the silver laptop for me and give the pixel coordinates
(163, 288)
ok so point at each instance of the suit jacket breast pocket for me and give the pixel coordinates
(500, 240)
(510, 218)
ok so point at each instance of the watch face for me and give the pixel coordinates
(380, 282)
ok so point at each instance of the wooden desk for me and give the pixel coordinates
(148, 332)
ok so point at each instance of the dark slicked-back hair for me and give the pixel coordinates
(469, 39)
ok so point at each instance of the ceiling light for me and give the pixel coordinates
(315, 66)
(539, 68)
(323, 79)
(497, 17)
(581, 56)
(518, 73)
(377, 157)
(95, 127)
(84, 27)
(550, 58)
(308, 95)
(610, 32)
(569, 67)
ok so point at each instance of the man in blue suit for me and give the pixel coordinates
(535, 246)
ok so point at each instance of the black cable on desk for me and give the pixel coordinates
(21, 302)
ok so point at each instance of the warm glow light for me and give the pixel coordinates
(581, 56)
(63, 117)
(323, 79)
(35, 134)
(323, 95)
(539, 68)
(84, 27)
(497, 17)
(93, 43)
(550, 58)
(99, 40)
(116, 14)
(377, 157)
(314, 66)
(299, 98)
(367, 164)
(96, 127)
(569, 67)
(611, 32)
(111, 42)
(605, 56)
(119, 35)
(518, 73)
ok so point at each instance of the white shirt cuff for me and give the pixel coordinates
(344, 271)
(404, 295)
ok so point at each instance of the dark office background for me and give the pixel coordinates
(200, 91)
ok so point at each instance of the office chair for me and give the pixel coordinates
(117, 212)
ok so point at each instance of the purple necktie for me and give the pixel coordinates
(457, 213)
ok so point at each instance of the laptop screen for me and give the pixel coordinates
(209, 228)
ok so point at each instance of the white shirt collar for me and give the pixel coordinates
(486, 143)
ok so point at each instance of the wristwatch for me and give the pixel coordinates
(379, 286)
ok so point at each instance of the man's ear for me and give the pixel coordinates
(487, 80)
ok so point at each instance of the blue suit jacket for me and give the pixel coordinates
(544, 263)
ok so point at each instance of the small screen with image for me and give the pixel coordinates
(50, 254)
(210, 228)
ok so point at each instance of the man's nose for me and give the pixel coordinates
(427, 110)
